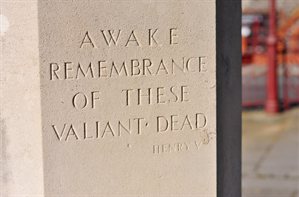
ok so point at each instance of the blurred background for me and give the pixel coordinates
(270, 98)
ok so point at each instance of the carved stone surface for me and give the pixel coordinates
(128, 97)
(127, 103)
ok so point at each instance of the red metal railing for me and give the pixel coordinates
(255, 71)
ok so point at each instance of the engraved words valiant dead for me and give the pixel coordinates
(122, 98)
(128, 93)
(108, 69)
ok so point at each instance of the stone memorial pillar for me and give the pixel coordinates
(118, 98)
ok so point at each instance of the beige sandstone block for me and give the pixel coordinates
(120, 98)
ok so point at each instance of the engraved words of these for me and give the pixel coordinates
(107, 69)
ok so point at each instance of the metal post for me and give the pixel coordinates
(272, 105)
(285, 77)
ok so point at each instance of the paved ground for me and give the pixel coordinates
(271, 154)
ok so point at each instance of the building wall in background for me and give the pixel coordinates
(287, 6)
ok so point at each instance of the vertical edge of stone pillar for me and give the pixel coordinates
(21, 133)
(228, 42)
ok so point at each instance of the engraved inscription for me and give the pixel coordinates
(158, 67)
(157, 95)
(128, 97)
(99, 129)
(131, 127)
(81, 100)
(129, 38)
(127, 68)
(204, 139)
(175, 122)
